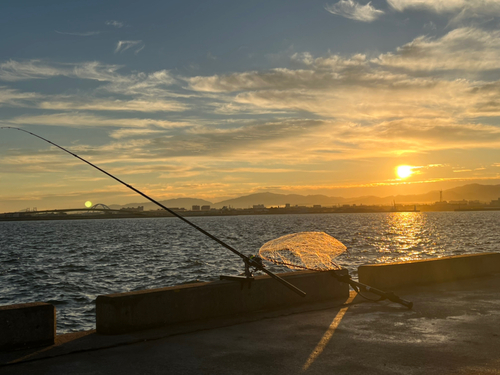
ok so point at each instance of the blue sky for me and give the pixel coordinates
(221, 99)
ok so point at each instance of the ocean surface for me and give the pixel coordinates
(70, 263)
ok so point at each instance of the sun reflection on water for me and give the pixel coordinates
(404, 237)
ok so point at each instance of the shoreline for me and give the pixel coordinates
(36, 217)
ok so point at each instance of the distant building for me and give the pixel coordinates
(463, 201)
(205, 208)
(195, 208)
(133, 209)
(258, 206)
(317, 206)
(287, 205)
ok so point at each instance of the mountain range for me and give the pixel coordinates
(483, 193)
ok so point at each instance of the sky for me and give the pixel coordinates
(219, 99)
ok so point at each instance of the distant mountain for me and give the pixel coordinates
(484, 193)
(271, 199)
(186, 203)
(471, 192)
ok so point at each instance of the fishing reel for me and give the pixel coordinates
(252, 263)
(255, 262)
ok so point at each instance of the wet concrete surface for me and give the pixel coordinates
(453, 328)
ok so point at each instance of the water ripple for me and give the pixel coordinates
(70, 263)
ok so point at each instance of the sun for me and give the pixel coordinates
(88, 204)
(404, 171)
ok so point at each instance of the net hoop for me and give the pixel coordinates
(304, 250)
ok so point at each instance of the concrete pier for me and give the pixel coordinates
(27, 325)
(128, 312)
(429, 271)
(453, 328)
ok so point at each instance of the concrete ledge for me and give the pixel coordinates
(420, 272)
(27, 325)
(129, 312)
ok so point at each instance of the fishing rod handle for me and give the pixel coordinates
(389, 295)
(386, 295)
(394, 298)
(406, 303)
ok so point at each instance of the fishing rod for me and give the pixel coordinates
(249, 261)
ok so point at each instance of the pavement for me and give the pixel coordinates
(453, 328)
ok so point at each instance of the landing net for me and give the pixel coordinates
(304, 250)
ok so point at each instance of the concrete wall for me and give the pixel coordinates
(394, 275)
(127, 312)
(27, 325)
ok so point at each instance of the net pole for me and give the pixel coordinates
(356, 285)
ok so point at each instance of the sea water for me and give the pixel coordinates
(69, 263)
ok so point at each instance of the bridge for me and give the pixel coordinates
(99, 208)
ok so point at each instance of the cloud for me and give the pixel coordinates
(364, 90)
(114, 23)
(321, 73)
(434, 134)
(34, 69)
(256, 141)
(76, 103)
(86, 120)
(87, 33)
(124, 45)
(234, 108)
(332, 107)
(41, 162)
(397, 103)
(457, 10)
(152, 85)
(352, 10)
(94, 70)
(303, 57)
(12, 70)
(447, 6)
(260, 142)
(467, 49)
(430, 26)
(126, 133)
(275, 78)
(13, 97)
(240, 141)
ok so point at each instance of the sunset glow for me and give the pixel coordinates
(275, 102)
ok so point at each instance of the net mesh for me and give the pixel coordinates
(304, 250)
